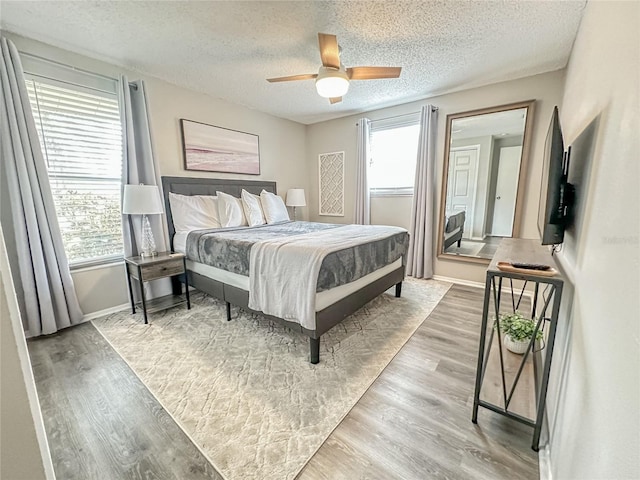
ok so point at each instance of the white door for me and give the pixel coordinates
(506, 191)
(461, 185)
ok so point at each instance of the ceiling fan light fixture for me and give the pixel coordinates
(332, 83)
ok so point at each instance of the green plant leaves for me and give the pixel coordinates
(517, 327)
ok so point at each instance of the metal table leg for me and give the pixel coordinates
(186, 283)
(483, 339)
(131, 299)
(142, 295)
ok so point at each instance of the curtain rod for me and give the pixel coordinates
(76, 69)
(93, 74)
(433, 109)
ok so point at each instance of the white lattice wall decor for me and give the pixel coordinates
(331, 167)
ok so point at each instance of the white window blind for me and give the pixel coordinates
(394, 151)
(81, 136)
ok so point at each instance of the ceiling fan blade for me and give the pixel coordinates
(372, 73)
(333, 100)
(329, 51)
(304, 76)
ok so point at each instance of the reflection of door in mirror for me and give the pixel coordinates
(461, 186)
(485, 158)
(502, 205)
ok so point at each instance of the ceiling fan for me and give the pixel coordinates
(332, 79)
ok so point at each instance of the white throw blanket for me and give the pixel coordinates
(283, 273)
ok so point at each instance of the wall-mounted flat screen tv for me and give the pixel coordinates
(555, 192)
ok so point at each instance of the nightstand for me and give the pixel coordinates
(146, 269)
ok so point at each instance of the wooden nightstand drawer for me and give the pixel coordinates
(161, 270)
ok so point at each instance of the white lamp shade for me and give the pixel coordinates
(141, 200)
(295, 197)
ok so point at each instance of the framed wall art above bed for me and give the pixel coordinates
(216, 149)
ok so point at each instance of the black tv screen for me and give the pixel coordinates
(551, 211)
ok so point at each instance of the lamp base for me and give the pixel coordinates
(148, 242)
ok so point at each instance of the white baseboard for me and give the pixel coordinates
(118, 308)
(107, 311)
(93, 315)
(544, 463)
(459, 281)
(470, 283)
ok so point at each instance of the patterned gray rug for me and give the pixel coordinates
(244, 390)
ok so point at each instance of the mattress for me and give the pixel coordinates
(323, 299)
(447, 235)
(229, 249)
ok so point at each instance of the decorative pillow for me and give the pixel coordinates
(252, 208)
(230, 211)
(273, 207)
(193, 212)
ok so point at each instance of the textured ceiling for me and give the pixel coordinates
(228, 49)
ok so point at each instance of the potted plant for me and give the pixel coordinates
(517, 331)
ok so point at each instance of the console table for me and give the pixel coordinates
(546, 294)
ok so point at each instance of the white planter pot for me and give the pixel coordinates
(515, 346)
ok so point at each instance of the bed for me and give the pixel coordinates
(333, 303)
(454, 229)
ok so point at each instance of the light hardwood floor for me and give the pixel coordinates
(413, 423)
(101, 421)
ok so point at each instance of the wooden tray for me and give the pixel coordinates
(507, 267)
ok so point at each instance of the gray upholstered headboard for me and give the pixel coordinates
(208, 186)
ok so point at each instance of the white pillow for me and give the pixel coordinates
(193, 212)
(273, 207)
(210, 203)
(252, 208)
(230, 211)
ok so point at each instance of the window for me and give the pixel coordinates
(81, 137)
(394, 150)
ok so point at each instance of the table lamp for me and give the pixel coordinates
(143, 200)
(295, 198)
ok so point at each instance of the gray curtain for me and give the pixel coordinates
(420, 255)
(363, 155)
(39, 264)
(139, 166)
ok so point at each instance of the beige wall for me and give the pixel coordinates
(392, 210)
(594, 397)
(340, 135)
(282, 151)
(594, 392)
(289, 152)
(24, 453)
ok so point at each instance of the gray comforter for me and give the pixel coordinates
(230, 248)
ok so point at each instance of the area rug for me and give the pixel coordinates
(467, 247)
(244, 390)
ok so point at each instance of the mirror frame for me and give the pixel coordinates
(524, 163)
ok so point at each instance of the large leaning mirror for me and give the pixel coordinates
(484, 175)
